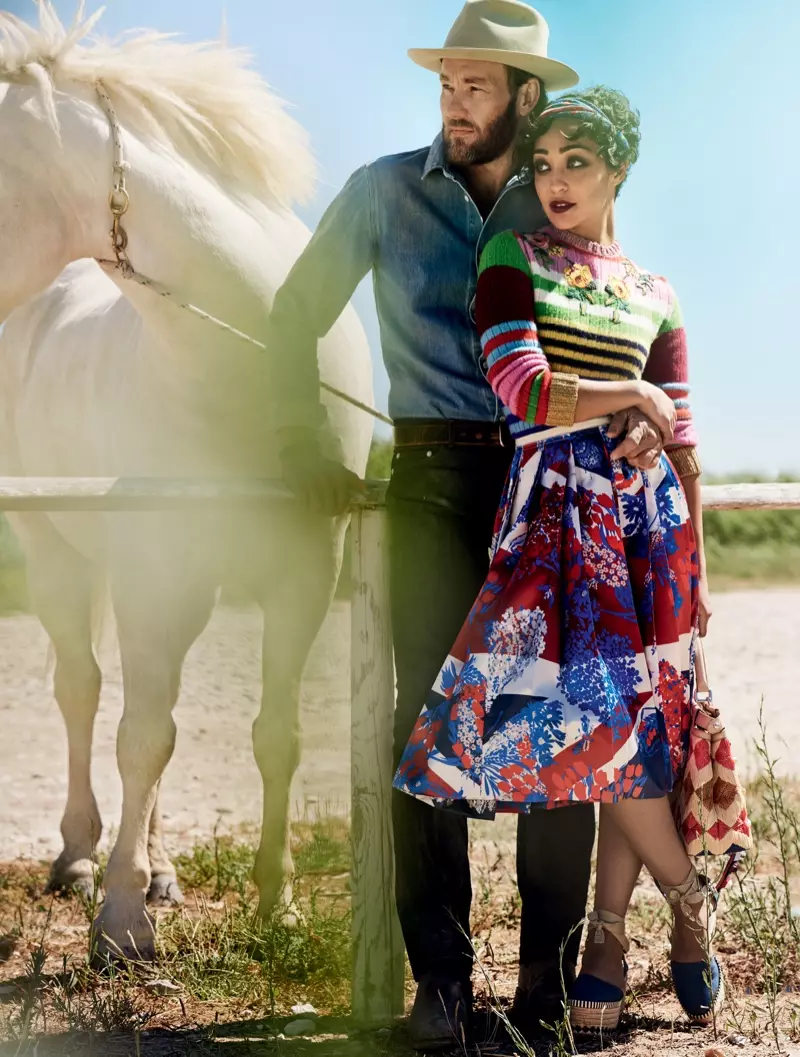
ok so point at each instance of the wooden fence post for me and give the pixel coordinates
(378, 957)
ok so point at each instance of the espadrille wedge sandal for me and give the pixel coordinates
(700, 986)
(595, 1005)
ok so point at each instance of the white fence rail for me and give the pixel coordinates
(158, 493)
(378, 959)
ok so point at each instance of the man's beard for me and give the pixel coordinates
(493, 144)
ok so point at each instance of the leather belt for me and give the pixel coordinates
(417, 433)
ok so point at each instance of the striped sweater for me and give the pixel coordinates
(553, 308)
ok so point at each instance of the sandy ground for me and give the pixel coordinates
(753, 650)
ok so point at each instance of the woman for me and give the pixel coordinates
(572, 678)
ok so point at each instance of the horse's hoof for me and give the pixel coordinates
(81, 878)
(109, 956)
(292, 917)
(164, 891)
(289, 915)
(120, 946)
(86, 889)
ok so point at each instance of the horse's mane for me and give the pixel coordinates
(198, 99)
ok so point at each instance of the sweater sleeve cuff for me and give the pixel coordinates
(686, 462)
(562, 399)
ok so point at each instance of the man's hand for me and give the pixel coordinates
(641, 442)
(322, 485)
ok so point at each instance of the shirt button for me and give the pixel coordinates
(466, 198)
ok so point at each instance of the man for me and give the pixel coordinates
(419, 221)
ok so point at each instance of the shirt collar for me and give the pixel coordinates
(436, 160)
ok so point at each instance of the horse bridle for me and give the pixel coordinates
(119, 202)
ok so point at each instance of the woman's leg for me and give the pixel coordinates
(618, 867)
(634, 832)
(649, 829)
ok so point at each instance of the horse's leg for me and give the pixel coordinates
(164, 890)
(60, 585)
(161, 605)
(294, 606)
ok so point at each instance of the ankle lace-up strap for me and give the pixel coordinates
(695, 889)
(696, 894)
(602, 922)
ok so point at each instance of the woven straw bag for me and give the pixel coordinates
(710, 806)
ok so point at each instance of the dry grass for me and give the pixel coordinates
(229, 967)
(236, 978)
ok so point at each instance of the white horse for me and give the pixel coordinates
(102, 377)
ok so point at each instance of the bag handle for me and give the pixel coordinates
(701, 671)
(704, 699)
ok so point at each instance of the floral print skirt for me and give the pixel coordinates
(571, 680)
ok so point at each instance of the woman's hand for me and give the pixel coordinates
(658, 407)
(703, 605)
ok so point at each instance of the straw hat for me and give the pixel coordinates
(504, 31)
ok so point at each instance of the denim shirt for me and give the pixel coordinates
(409, 219)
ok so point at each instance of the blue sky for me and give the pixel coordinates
(712, 204)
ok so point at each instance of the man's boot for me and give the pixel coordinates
(540, 998)
(442, 1013)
